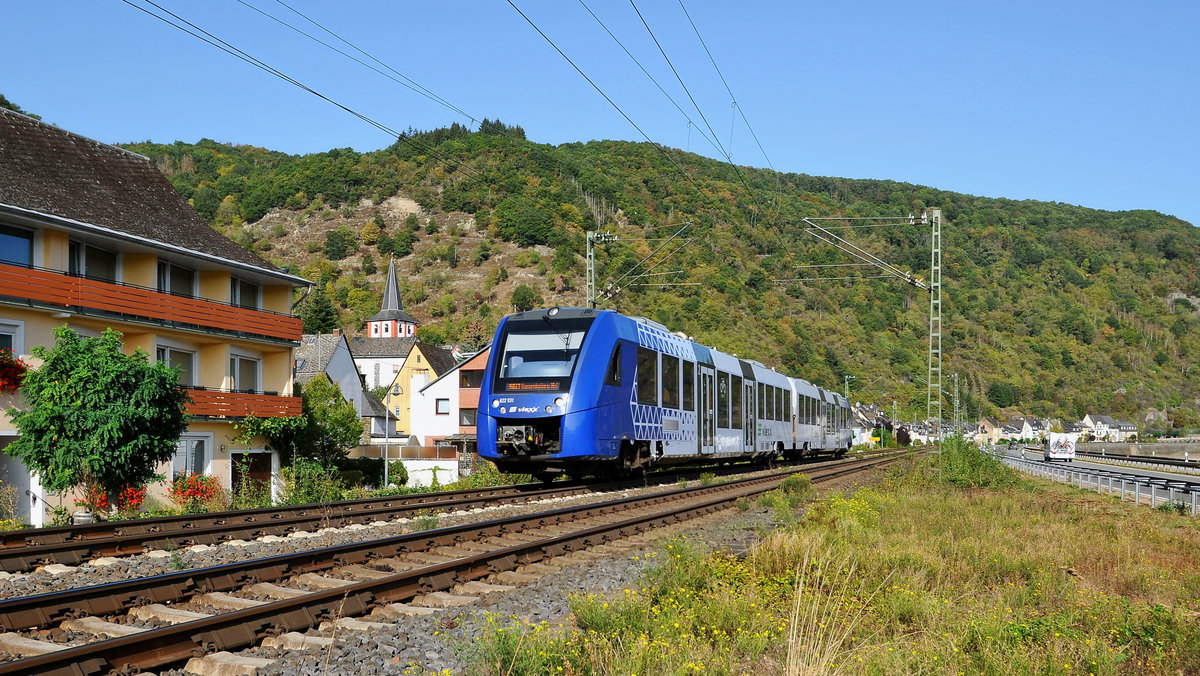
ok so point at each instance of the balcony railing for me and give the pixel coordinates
(219, 403)
(66, 292)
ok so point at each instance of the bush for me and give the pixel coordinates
(307, 481)
(964, 464)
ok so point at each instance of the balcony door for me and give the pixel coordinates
(92, 262)
(245, 373)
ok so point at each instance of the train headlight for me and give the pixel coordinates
(495, 403)
(548, 409)
(558, 401)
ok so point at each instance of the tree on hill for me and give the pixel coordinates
(318, 314)
(9, 105)
(97, 417)
(525, 298)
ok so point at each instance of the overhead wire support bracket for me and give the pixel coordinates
(841, 243)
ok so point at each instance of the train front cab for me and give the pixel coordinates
(544, 407)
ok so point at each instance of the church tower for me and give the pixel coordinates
(391, 321)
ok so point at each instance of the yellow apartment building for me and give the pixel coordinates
(94, 236)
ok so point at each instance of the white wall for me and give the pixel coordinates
(388, 368)
(420, 472)
(425, 421)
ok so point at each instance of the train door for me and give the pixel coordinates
(708, 408)
(749, 428)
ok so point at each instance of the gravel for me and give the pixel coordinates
(439, 643)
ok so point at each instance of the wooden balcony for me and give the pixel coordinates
(217, 403)
(63, 292)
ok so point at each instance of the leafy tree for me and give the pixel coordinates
(386, 245)
(1002, 394)
(370, 233)
(368, 264)
(319, 315)
(403, 243)
(339, 243)
(5, 103)
(525, 298)
(331, 426)
(96, 416)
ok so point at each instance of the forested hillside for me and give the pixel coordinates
(1050, 309)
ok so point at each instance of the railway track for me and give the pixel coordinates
(24, 550)
(238, 605)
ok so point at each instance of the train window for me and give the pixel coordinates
(670, 381)
(647, 376)
(722, 400)
(787, 405)
(614, 367)
(779, 403)
(761, 400)
(689, 386)
(770, 403)
(735, 389)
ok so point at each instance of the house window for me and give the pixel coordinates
(387, 329)
(12, 336)
(92, 263)
(396, 411)
(16, 246)
(442, 407)
(176, 280)
(191, 456)
(467, 416)
(180, 360)
(244, 373)
(472, 379)
(245, 294)
(374, 330)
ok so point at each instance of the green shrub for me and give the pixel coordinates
(307, 481)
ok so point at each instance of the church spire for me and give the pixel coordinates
(391, 321)
(391, 290)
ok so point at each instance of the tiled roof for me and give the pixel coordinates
(49, 171)
(440, 359)
(381, 347)
(314, 353)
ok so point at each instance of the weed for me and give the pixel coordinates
(425, 519)
(742, 504)
(707, 478)
(682, 484)
(1175, 507)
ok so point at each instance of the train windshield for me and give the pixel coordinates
(540, 355)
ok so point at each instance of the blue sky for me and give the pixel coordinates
(1093, 103)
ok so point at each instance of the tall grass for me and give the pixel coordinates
(951, 565)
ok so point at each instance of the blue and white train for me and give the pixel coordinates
(585, 391)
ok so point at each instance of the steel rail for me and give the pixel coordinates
(237, 629)
(22, 550)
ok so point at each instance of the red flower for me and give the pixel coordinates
(12, 371)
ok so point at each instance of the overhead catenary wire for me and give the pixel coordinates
(211, 39)
(651, 77)
(623, 114)
(395, 76)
